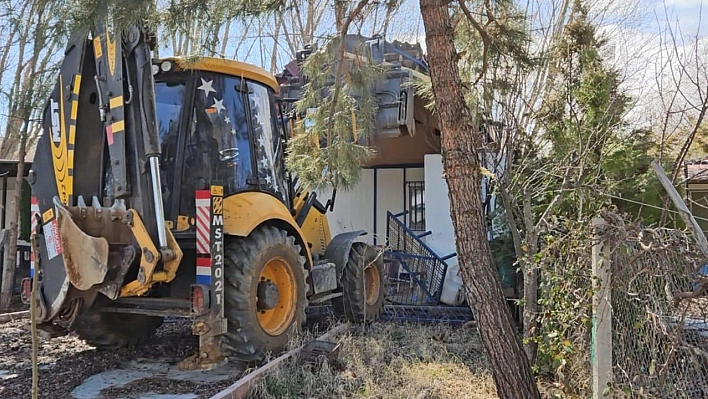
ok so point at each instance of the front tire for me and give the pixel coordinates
(265, 294)
(362, 297)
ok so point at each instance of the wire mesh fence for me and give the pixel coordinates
(658, 304)
(659, 324)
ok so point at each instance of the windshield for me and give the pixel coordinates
(219, 148)
(230, 136)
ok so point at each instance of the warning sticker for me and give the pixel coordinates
(51, 237)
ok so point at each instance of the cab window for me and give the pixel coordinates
(268, 140)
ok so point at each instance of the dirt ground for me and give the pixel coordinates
(65, 362)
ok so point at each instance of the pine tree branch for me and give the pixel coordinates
(340, 59)
(486, 40)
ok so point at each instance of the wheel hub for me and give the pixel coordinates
(372, 284)
(276, 296)
(267, 295)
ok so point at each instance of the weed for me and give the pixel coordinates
(387, 360)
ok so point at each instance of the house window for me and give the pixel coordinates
(416, 205)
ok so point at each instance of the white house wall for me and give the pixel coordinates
(389, 198)
(437, 209)
(354, 208)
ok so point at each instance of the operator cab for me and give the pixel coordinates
(217, 123)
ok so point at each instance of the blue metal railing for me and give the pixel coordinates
(411, 261)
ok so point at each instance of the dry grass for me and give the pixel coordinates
(391, 361)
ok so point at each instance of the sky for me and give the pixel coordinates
(691, 14)
(634, 29)
(639, 21)
(641, 44)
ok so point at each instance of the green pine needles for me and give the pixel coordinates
(339, 107)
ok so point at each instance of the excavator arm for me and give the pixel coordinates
(96, 180)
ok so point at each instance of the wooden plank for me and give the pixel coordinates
(682, 208)
(8, 317)
(241, 388)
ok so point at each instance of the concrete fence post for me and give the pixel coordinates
(601, 345)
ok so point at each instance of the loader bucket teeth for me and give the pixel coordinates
(85, 257)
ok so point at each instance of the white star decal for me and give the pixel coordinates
(219, 105)
(233, 132)
(268, 180)
(264, 162)
(261, 141)
(206, 87)
(227, 120)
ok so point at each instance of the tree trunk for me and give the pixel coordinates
(460, 139)
(10, 253)
(279, 20)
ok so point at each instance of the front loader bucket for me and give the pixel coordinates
(86, 250)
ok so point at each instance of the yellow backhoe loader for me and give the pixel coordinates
(159, 189)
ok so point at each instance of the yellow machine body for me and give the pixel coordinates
(180, 204)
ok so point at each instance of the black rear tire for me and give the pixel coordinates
(115, 330)
(362, 297)
(248, 337)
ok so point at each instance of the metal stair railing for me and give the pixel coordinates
(411, 263)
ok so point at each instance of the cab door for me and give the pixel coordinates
(218, 145)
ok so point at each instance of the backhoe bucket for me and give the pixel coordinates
(89, 149)
(95, 247)
(85, 257)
